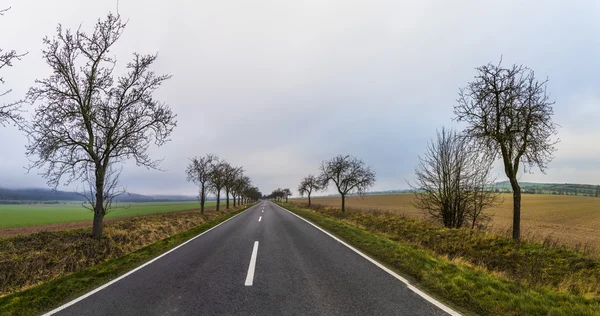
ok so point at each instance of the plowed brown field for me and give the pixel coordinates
(573, 221)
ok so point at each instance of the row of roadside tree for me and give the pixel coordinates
(348, 173)
(508, 116)
(214, 175)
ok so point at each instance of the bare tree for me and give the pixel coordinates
(112, 190)
(277, 194)
(88, 120)
(453, 184)
(218, 179)
(200, 171)
(252, 193)
(287, 193)
(9, 111)
(349, 174)
(509, 114)
(239, 185)
(480, 191)
(309, 185)
(231, 173)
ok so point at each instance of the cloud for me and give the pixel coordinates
(279, 86)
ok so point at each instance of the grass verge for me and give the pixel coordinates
(465, 286)
(23, 215)
(48, 295)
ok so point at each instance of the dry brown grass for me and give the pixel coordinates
(27, 260)
(486, 273)
(571, 221)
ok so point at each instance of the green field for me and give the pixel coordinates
(41, 214)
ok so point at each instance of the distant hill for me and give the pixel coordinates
(528, 188)
(18, 196)
(553, 188)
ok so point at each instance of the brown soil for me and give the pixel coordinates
(570, 221)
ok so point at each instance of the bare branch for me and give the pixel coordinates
(87, 121)
(349, 174)
(9, 112)
(509, 114)
(453, 184)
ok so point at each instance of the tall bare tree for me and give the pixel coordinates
(9, 112)
(87, 119)
(349, 174)
(252, 194)
(218, 179)
(279, 194)
(453, 183)
(509, 114)
(199, 171)
(240, 184)
(309, 185)
(287, 193)
(231, 173)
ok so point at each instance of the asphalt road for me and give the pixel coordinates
(297, 270)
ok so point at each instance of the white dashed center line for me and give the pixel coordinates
(252, 266)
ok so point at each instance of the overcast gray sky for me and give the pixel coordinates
(279, 86)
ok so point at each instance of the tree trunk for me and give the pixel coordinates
(516, 209)
(218, 199)
(202, 200)
(99, 207)
(98, 225)
(227, 196)
(343, 202)
(309, 200)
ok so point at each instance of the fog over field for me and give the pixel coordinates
(279, 86)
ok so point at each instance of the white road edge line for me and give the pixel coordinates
(252, 265)
(102, 287)
(422, 294)
(259, 218)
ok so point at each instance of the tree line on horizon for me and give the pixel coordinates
(279, 194)
(216, 176)
(348, 174)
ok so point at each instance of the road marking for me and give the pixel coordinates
(263, 211)
(84, 296)
(422, 294)
(252, 266)
(259, 218)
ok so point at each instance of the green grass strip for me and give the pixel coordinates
(49, 295)
(469, 289)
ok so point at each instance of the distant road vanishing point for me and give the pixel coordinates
(263, 261)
